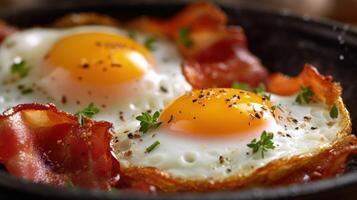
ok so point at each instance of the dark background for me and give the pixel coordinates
(341, 10)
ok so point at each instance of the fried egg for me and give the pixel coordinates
(91, 64)
(204, 134)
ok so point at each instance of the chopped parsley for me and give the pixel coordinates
(148, 122)
(259, 90)
(241, 86)
(132, 34)
(304, 96)
(149, 43)
(334, 112)
(24, 90)
(264, 144)
(182, 37)
(274, 107)
(89, 112)
(20, 68)
(152, 146)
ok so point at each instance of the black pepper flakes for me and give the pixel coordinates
(64, 99)
(130, 135)
(121, 116)
(85, 65)
(307, 118)
(163, 89)
(221, 159)
(257, 116)
(170, 120)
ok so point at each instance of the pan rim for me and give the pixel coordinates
(295, 190)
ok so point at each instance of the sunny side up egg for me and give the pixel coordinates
(204, 135)
(75, 67)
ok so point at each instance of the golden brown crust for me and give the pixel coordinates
(85, 18)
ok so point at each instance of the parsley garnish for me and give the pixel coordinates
(304, 96)
(182, 37)
(149, 43)
(19, 67)
(24, 90)
(264, 144)
(132, 34)
(241, 86)
(334, 112)
(89, 111)
(259, 90)
(152, 146)
(148, 122)
(274, 107)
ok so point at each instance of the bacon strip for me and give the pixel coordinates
(219, 54)
(41, 144)
(194, 16)
(324, 88)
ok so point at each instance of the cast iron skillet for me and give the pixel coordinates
(283, 42)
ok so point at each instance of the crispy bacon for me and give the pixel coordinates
(41, 144)
(194, 16)
(219, 54)
(324, 88)
(220, 58)
(5, 30)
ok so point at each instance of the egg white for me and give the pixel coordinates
(299, 130)
(118, 104)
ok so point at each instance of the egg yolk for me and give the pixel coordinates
(216, 113)
(99, 58)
